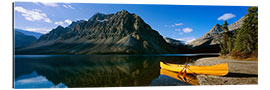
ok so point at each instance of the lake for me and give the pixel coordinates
(74, 71)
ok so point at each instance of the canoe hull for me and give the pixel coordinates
(188, 78)
(218, 69)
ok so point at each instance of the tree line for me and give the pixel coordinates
(243, 42)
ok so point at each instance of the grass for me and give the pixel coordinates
(251, 58)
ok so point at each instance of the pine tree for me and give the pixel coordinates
(225, 38)
(246, 41)
(225, 26)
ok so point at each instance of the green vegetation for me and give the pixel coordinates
(224, 43)
(242, 43)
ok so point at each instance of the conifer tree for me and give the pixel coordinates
(225, 37)
(246, 41)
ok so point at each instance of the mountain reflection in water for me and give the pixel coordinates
(33, 80)
(89, 70)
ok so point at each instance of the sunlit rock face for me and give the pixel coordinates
(211, 40)
(237, 24)
(122, 32)
(212, 37)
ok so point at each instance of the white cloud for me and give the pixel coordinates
(68, 21)
(33, 15)
(65, 6)
(40, 30)
(68, 6)
(50, 4)
(37, 10)
(226, 16)
(187, 30)
(63, 23)
(179, 24)
(47, 20)
(175, 25)
(187, 39)
(59, 23)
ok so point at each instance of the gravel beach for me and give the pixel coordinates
(240, 72)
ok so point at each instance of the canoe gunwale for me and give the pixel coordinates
(218, 69)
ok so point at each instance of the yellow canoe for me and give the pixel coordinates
(218, 69)
(191, 79)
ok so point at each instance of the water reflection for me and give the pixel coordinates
(189, 78)
(33, 80)
(93, 70)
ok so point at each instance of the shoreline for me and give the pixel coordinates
(240, 72)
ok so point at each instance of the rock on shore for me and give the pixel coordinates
(240, 72)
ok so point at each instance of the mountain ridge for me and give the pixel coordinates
(31, 33)
(122, 32)
(209, 38)
(22, 40)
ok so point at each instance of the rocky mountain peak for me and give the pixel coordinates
(54, 34)
(59, 27)
(97, 16)
(174, 42)
(238, 24)
(170, 40)
(121, 32)
(210, 38)
(216, 30)
(75, 23)
(122, 12)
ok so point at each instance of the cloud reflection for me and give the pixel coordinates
(34, 80)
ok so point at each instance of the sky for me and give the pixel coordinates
(181, 22)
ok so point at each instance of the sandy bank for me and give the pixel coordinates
(240, 72)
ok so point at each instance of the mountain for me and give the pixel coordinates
(209, 43)
(176, 44)
(236, 25)
(22, 40)
(122, 33)
(173, 42)
(35, 34)
(211, 40)
(54, 34)
(212, 37)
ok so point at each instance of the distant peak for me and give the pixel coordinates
(59, 27)
(99, 14)
(123, 12)
(217, 25)
(76, 22)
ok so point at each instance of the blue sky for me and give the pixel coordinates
(182, 22)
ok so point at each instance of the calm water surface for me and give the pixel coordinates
(67, 71)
